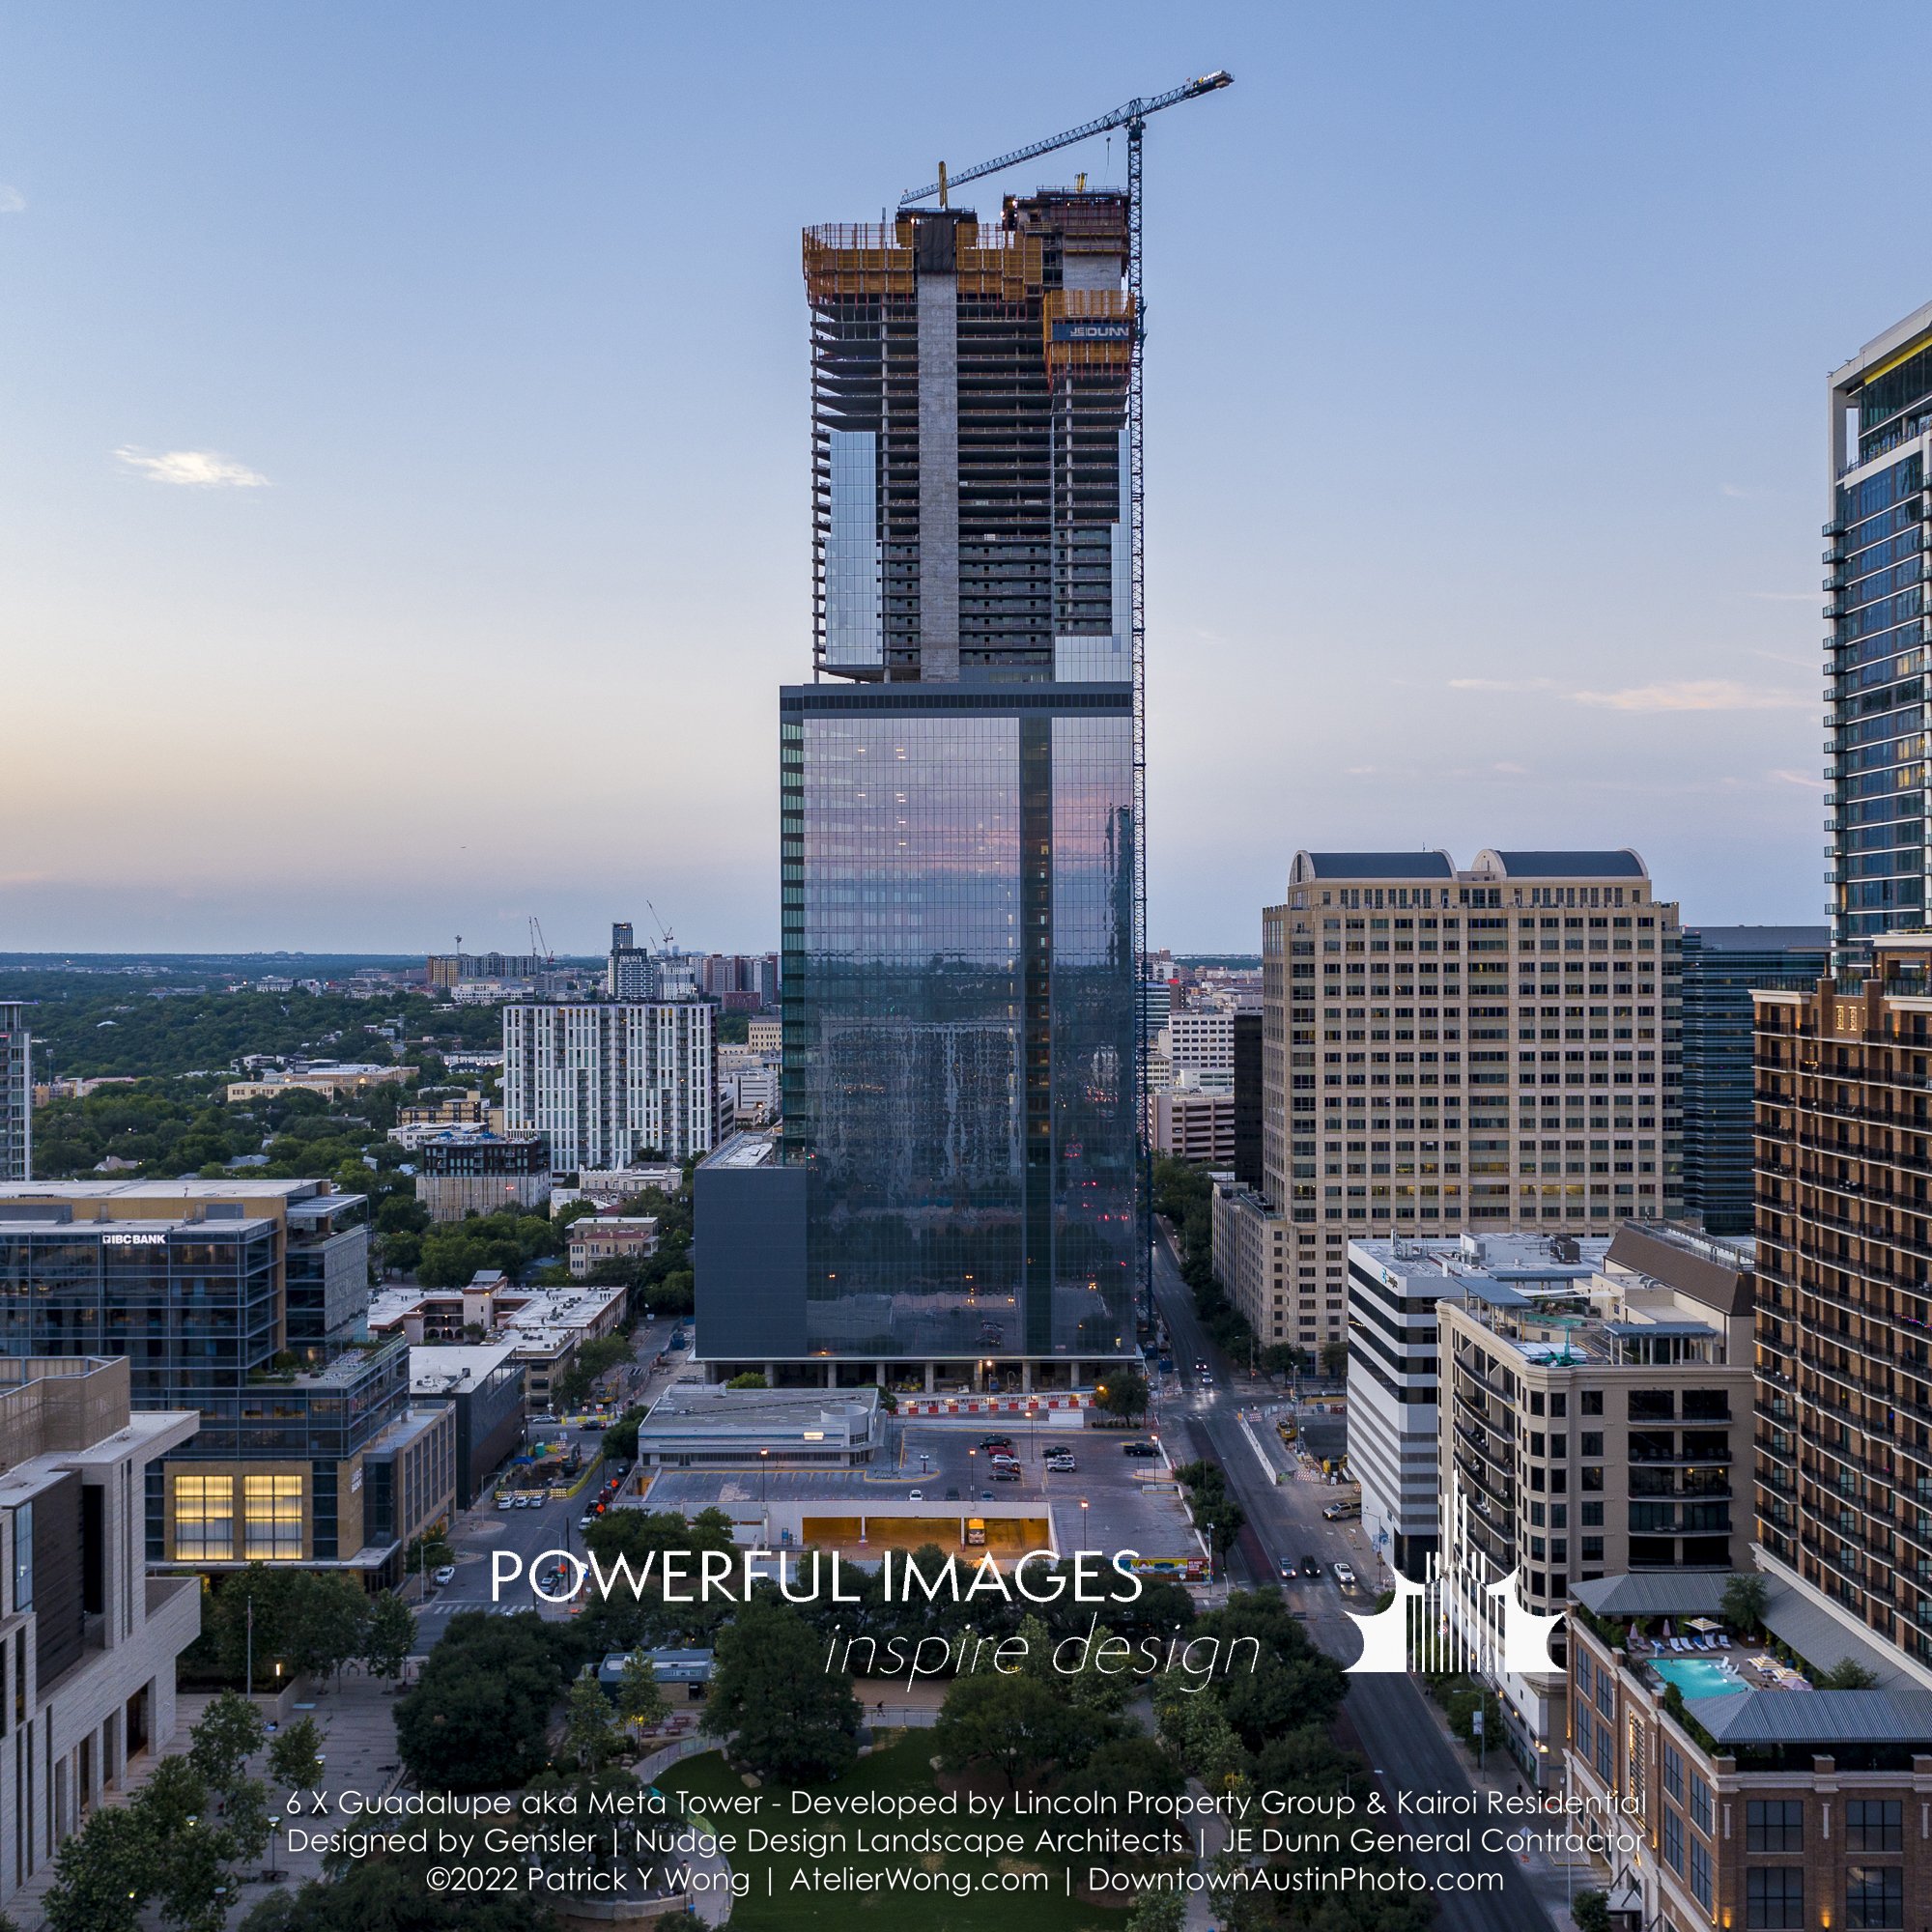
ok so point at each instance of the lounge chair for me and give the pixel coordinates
(1722, 1641)
(1707, 1642)
(1680, 1643)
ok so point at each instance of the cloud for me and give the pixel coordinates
(1502, 684)
(1707, 693)
(12, 200)
(196, 469)
(1803, 779)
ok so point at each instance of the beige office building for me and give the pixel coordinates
(1445, 1049)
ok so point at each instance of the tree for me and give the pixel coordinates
(1198, 1734)
(1124, 1392)
(1335, 1357)
(1012, 1720)
(390, 1635)
(392, 1894)
(1590, 1911)
(229, 1734)
(640, 1698)
(787, 1716)
(101, 1874)
(478, 1718)
(1847, 1674)
(590, 1743)
(749, 1379)
(1159, 1911)
(295, 1759)
(1745, 1601)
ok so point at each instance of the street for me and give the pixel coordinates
(1397, 1728)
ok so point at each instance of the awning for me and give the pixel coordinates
(1704, 1624)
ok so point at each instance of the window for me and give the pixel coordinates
(1673, 1774)
(1700, 1873)
(274, 1518)
(1774, 1825)
(1593, 1402)
(204, 1519)
(1673, 1840)
(1775, 1898)
(1874, 1896)
(24, 1558)
(1874, 1824)
(1700, 1807)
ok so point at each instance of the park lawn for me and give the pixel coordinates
(905, 1766)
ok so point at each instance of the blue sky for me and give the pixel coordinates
(403, 495)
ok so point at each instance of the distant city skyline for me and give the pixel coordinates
(405, 461)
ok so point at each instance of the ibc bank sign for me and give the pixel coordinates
(134, 1240)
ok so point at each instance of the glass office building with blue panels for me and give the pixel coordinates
(1876, 686)
(958, 1001)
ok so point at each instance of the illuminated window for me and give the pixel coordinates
(204, 1518)
(273, 1515)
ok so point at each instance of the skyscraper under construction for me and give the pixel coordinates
(953, 1194)
(969, 441)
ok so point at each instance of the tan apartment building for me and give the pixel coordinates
(1190, 1125)
(1591, 1426)
(1442, 1049)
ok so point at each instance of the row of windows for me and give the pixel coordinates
(271, 1517)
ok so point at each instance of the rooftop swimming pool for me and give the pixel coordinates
(1697, 1676)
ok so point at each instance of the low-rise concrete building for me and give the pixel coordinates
(595, 1239)
(463, 1171)
(698, 1423)
(1192, 1124)
(89, 1643)
(483, 1385)
(328, 1077)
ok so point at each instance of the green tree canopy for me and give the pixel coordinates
(786, 1716)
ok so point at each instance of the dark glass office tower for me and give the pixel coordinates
(954, 1187)
(1721, 966)
(958, 1066)
(1876, 685)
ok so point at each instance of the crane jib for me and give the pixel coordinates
(1131, 116)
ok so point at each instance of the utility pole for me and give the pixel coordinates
(250, 1645)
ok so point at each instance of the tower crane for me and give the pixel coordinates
(1132, 115)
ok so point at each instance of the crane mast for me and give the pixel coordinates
(1133, 116)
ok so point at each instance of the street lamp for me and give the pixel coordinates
(764, 1464)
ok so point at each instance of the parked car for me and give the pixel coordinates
(584, 1522)
(446, 1575)
(506, 1502)
(1344, 1575)
(1138, 1449)
(952, 1495)
(1342, 1512)
(995, 1442)
(595, 1422)
(1062, 1466)
(915, 1495)
(1311, 1566)
(1007, 1472)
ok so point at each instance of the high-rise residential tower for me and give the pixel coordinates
(1442, 1049)
(955, 1190)
(1875, 671)
(16, 1093)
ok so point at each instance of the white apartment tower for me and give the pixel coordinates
(16, 1093)
(608, 1081)
(1442, 1049)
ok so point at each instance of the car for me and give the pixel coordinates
(1311, 1566)
(1342, 1512)
(1138, 1449)
(584, 1522)
(532, 1500)
(1290, 1570)
(994, 1442)
(1007, 1472)
(985, 1495)
(446, 1575)
(1344, 1575)
(1207, 1379)
(915, 1495)
(952, 1495)
(506, 1502)
(594, 1422)
(1062, 1466)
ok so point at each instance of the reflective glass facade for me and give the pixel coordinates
(1875, 557)
(958, 1002)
